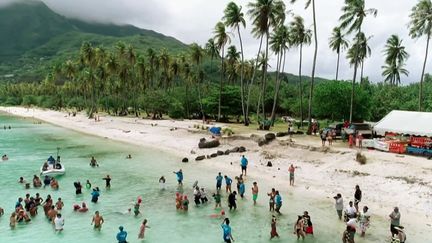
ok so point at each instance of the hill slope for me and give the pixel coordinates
(33, 37)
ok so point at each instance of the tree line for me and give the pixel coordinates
(122, 81)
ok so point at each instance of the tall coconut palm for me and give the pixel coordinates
(197, 56)
(421, 25)
(88, 55)
(212, 51)
(315, 33)
(300, 36)
(396, 55)
(234, 17)
(222, 38)
(279, 42)
(265, 15)
(232, 59)
(354, 13)
(338, 43)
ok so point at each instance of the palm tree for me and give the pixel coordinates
(88, 55)
(338, 43)
(421, 25)
(308, 4)
(395, 60)
(222, 38)
(212, 50)
(265, 14)
(279, 42)
(234, 17)
(354, 13)
(197, 56)
(300, 36)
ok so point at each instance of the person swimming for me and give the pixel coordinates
(5, 157)
(88, 185)
(93, 162)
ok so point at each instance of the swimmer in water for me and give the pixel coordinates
(142, 229)
(93, 162)
(255, 192)
(98, 221)
(13, 220)
(88, 184)
(107, 180)
(95, 196)
(59, 204)
(137, 209)
(58, 223)
(162, 181)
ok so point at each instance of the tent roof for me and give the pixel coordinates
(406, 122)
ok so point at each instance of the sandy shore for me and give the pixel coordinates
(387, 180)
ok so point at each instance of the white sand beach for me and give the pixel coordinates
(387, 180)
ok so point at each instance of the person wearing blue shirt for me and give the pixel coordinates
(278, 200)
(179, 175)
(244, 163)
(51, 160)
(242, 189)
(219, 179)
(121, 236)
(95, 196)
(227, 236)
(228, 182)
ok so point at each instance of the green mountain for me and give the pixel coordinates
(33, 38)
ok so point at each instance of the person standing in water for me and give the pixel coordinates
(185, 203)
(162, 181)
(244, 163)
(217, 198)
(291, 171)
(107, 180)
(272, 196)
(219, 180)
(93, 162)
(298, 228)
(273, 232)
(95, 196)
(142, 229)
(357, 197)
(88, 184)
(364, 220)
(232, 201)
(278, 201)
(58, 223)
(228, 183)
(242, 189)
(98, 221)
(227, 234)
(255, 192)
(339, 205)
(121, 235)
(179, 175)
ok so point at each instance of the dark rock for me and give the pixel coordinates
(213, 155)
(242, 149)
(270, 137)
(262, 142)
(269, 164)
(208, 144)
(227, 152)
(201, 157)
(220, 153)
(235, 150)
(185, 160)
(299, 132)
(281, 134)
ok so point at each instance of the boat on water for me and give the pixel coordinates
(52, 167)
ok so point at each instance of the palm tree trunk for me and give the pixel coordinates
(251, 82)
(301, 86)
(313, 68)
(422, 76)
(265, 76)
(220, 84)
(276, 95)
(354, 79)
(242, 75)
(337, 65)
(361, 72)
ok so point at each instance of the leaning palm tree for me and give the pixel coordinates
(279, 42)
(300, 36)
(354, 13)
(421, 25)
(234, 17)
(222, 38)
(396, 56)
(338, 43)
(265, 14)
(311, 88)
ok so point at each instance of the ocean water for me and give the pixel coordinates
(28, 145)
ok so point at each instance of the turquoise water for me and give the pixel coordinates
(29, 144)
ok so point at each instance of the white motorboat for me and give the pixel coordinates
(55, 169)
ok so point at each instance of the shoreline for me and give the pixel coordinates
(387, 180)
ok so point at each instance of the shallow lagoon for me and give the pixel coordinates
(29, 144)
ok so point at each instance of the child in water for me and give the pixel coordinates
(142, 229)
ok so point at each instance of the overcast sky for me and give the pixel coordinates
(194, 20)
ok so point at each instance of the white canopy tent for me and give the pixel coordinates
(406, 122)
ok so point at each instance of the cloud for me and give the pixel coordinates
(194, 20)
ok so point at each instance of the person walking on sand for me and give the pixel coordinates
(97, 221)
(228, 183)
(357, 197)
(219, 180)
(142, 229)
(395, 221)
(179, 175)
(121, 235)
(272, 196)
(339, 205)
(273, 232)
(227, 234)
(278, 201)
(291, 171)
(255, 192)
(244, 163)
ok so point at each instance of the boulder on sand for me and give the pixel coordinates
(242, 149)
(208, 144)
(281, 134)
(201, 157)
(227, 152)
(270, 137)
(185, 160)
(234, 150)
(213, 155)
(220, 153)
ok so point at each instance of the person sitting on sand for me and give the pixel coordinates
(98, 221)
(93, 162)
